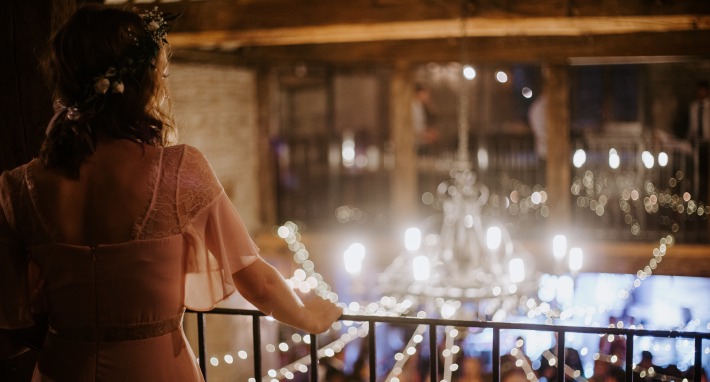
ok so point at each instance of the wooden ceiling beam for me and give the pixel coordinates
(533, 49)
(439, 29)
(268, 14)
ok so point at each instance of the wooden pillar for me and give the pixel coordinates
(558, 145)
(25, 99)
(267, 173)
(404, 177)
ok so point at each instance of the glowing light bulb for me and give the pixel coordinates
(647, 159)
(576, 256)
(421, 268)
(662, 159)
(353, 257)
(348, 152)
(501, 77)
(527, 93)
(579, 158)
(517, 270)
(493, 238)
(482, 156)
(412, 239)
(559, 246)
(469, 72)
(614, 159)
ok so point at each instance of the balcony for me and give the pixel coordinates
(456, 351)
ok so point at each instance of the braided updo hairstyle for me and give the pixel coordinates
(107, 71)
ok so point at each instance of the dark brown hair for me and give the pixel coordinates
(94, 40)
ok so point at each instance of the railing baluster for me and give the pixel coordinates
(629, 357)
(495, 354)
(433, 355)
(433, 324)
(201, 344)
(256, 338)
(698, 359)
(372, 357)
(314, 358)
(561, 355)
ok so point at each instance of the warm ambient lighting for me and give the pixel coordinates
(501, 77)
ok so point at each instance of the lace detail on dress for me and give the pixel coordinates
(20, 207)
(156, 175)
(197, 186)
(162, 219)
(186, 187)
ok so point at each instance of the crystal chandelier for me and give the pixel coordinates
(459, 256)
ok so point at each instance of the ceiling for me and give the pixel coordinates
(432, 30)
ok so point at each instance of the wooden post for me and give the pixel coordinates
(558, 145)
(404, 176)
(25, 99)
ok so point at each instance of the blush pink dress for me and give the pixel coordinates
(115, 309)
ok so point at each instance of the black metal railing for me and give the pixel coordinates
(433, 323)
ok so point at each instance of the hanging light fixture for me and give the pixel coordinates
(466, 258)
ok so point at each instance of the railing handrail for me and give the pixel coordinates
(432, 323)
(408, 320)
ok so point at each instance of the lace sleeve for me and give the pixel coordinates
(15, 309)
(217, 242)
(197, 185)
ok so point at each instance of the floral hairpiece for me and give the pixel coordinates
(145, 49)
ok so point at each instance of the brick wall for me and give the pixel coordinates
(215, 110)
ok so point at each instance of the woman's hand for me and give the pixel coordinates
(323, 313)
(262, 285)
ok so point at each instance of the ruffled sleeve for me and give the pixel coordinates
(217, 242)
(15, 309)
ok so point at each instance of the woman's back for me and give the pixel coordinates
(120, 252)
(107, 202)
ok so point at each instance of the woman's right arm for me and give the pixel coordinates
(263, 286)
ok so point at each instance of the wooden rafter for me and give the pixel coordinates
(438, 29)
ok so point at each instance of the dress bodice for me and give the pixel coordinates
(115, 303)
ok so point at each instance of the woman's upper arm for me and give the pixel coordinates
(256, 280)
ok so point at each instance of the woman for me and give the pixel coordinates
(112, 231)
